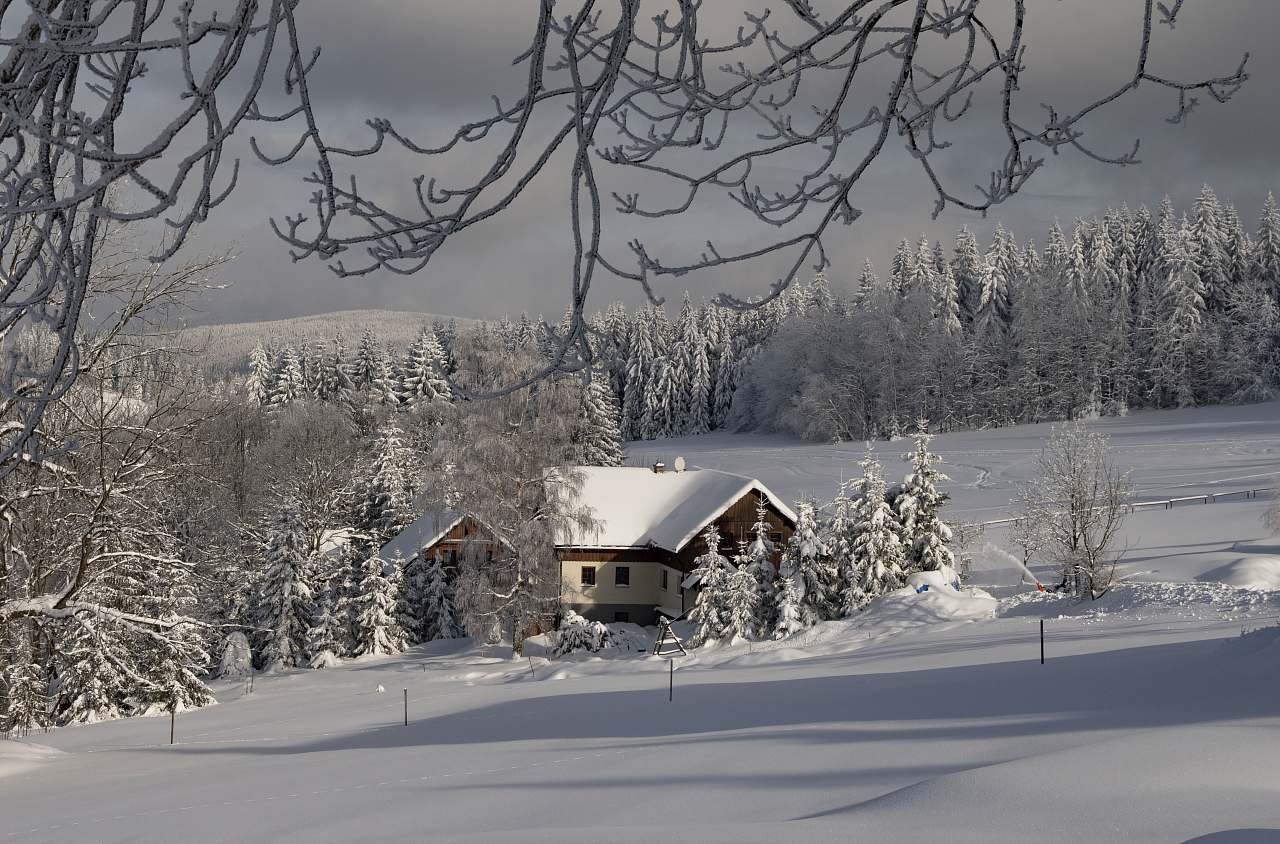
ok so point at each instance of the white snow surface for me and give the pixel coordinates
(19, 756)
(928, 717)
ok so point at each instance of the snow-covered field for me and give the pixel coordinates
(929, 718)
(1171, 454)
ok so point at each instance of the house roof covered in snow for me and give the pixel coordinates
(637, 507)
(633, 508)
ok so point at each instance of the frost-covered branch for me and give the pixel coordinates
(820, 87)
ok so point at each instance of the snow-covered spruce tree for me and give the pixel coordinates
(91, 685)
(1179, 352)
(597, 436)
(1265, 260)
(925, 537)
(710, 576)
(742, 620)
(236, 660)
(368, 362)
(324, 641)
(423, 373)
(804, 576)
(379, 630)
(24, 691)
(382, 502)
(877, 548)
(756, 560)
(287, 384)
(431, 600)
(287, 602)
(259, 385)
(839, 534)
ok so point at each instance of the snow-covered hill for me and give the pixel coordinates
(905, 725)
(226, 347)
(1171, 454)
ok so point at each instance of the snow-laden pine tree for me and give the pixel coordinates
(710, 576)
(24, 705)
(1179, 351)
(696, 367)
(804, 576)
(431, 601)
(640, 362)
(925, 537)
(368, 363)
(743, 608)
(385, 388)
(91, 685)
(378, 632)
(966, 266)
(423, 373)
(756, 560)
(287, 603)
(383, 505)
(877, 548)
(1209, 243)
(259, 385)
(324, 640)
(662, 401)
(838, 536)
(1265, 261)
(287, 385)
(867, 284)
(597, 436)
(946, 304)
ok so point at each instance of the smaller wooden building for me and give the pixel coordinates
(649, 523)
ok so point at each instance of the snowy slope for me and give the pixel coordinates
(1153, 727)
(927, 718)
(1171, 453)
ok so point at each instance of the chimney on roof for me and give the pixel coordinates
(659, 467)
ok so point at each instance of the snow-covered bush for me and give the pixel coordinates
(578, 634)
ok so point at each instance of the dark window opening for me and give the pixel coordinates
(664, 580)
(621, 616)
(588, 575)
(622, 576)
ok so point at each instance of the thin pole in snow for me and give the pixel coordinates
(406, 707)
(1042, 641)
(671, 680)
(173, 719)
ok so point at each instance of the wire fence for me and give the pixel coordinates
(1161, 503)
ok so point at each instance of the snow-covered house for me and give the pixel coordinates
(632, 565)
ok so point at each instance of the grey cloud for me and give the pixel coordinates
(432, 65)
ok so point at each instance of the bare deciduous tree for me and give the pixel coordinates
(1074, 508)
(498, 465)
(78, 135)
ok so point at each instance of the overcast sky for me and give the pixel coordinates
(430, 64)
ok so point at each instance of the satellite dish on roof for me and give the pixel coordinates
(679, 464)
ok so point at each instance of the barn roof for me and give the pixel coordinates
(633, 507)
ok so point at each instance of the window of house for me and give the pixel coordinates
(622, 575)
(664, 580)
(775, 537)
(621, 616)
(588, 575)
